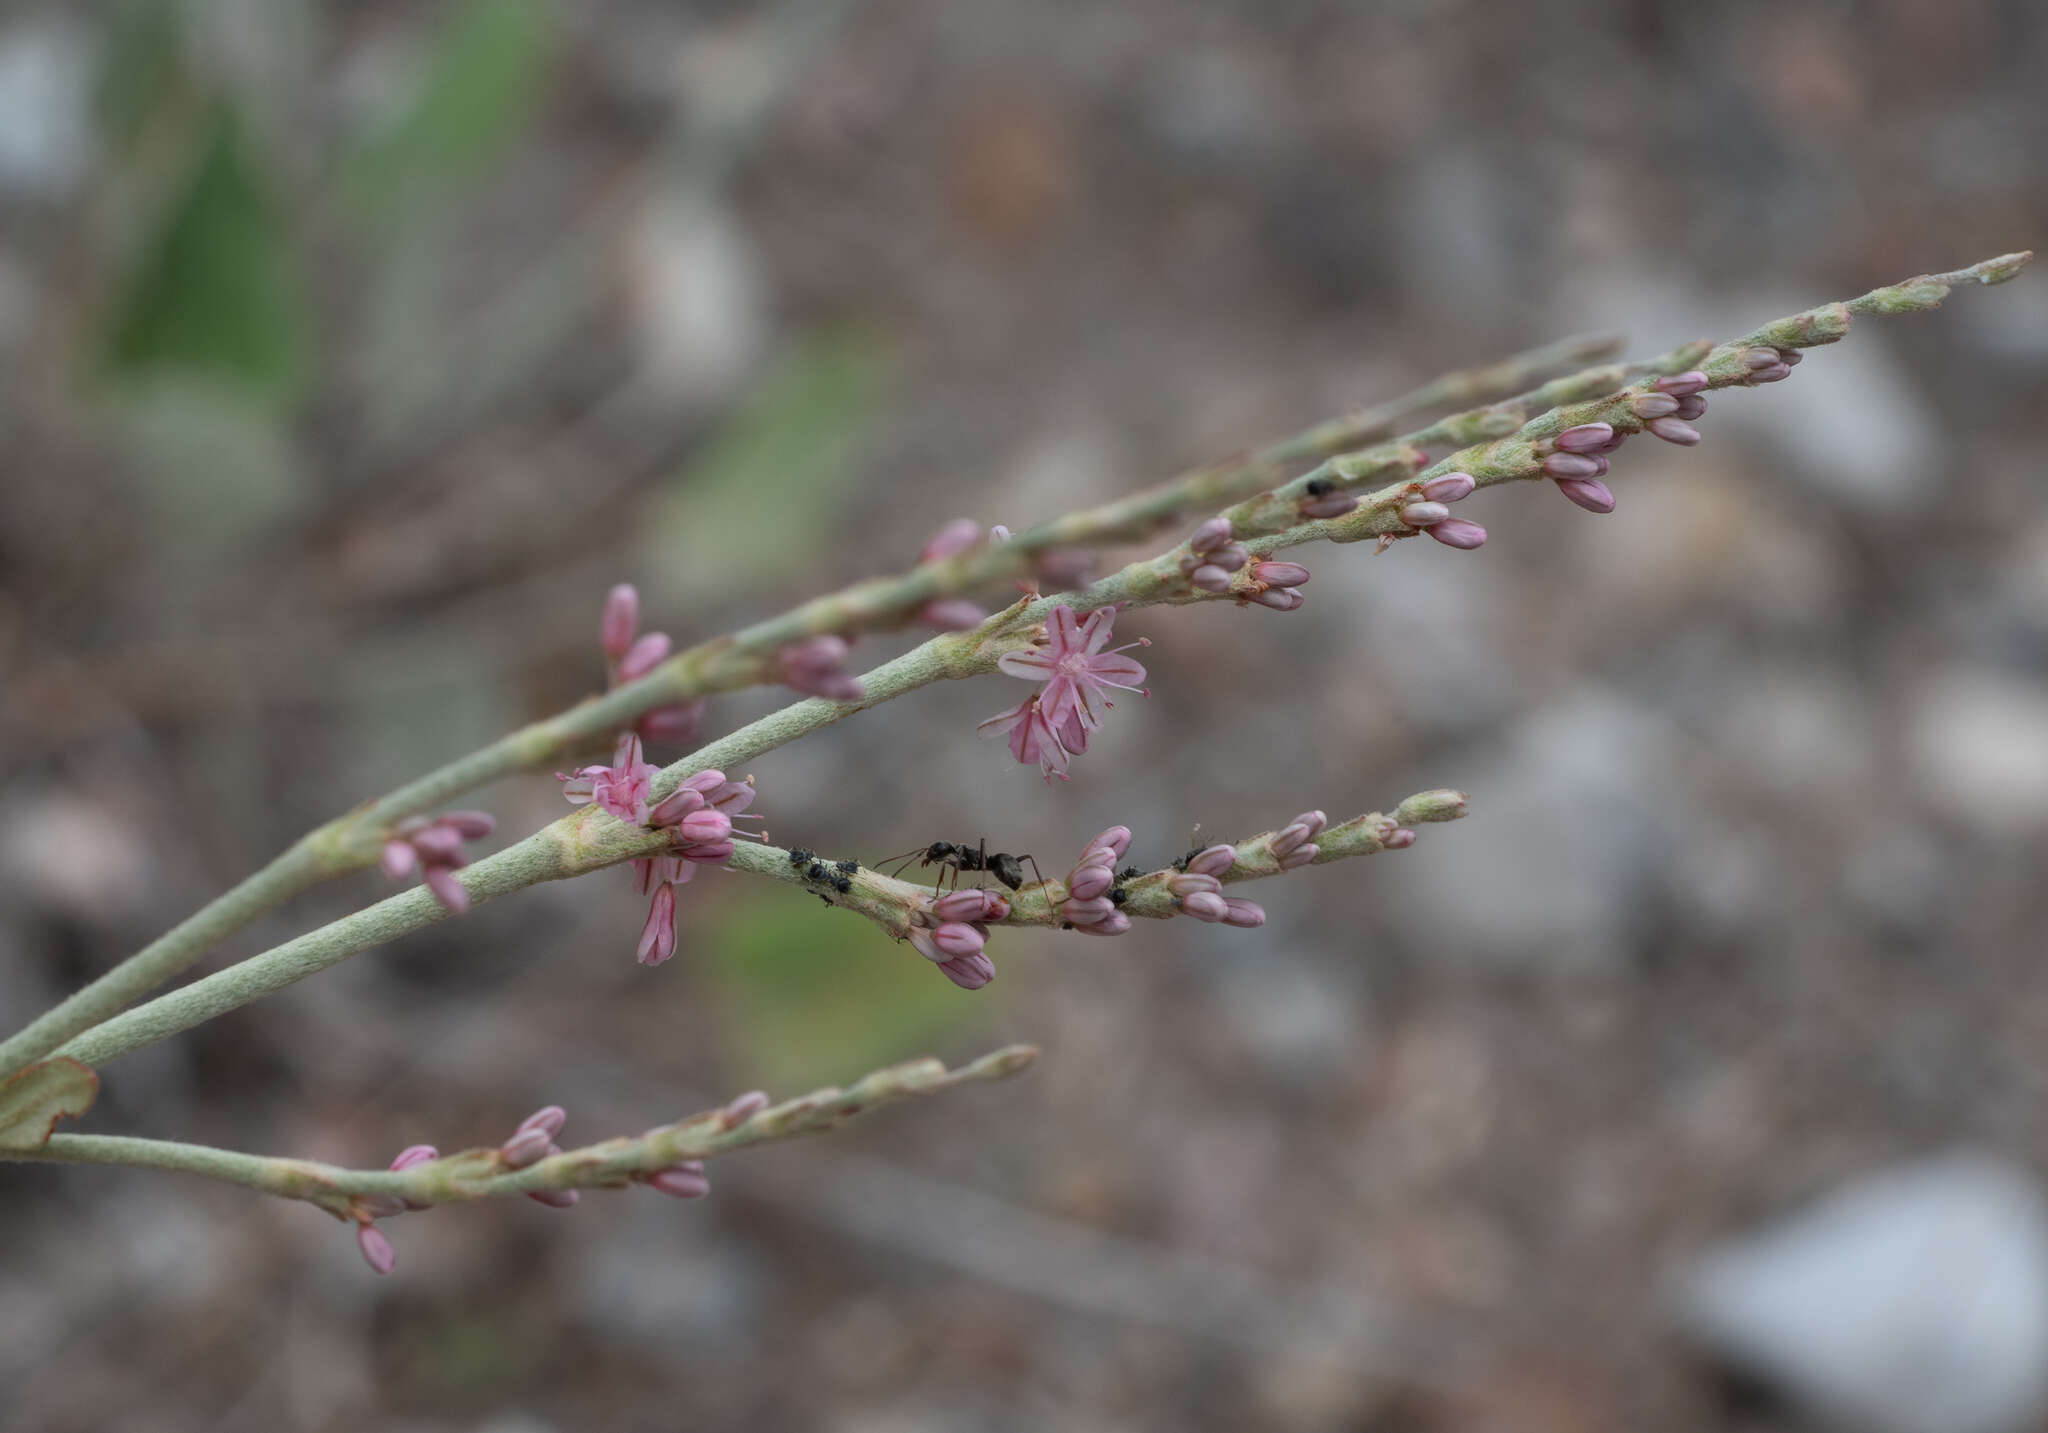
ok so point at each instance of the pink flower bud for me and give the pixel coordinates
(1458, 532)
(952, 614)
(658, 935)
(1316, 821)
(951, 540)
(1280, 599)
(741, 1108)
(1674, 430)
(380, 1206)
(1424, 514)
(1300, 856)
(1280, 574)
(1211, 535)
(676, 724)
(1087, 912)
(1791, 357)
(440, 845)
(703, 827)
(1588, 493)
(1115, 923)
(1692, 407)
(1760, 358)
(1245, 914)
(415, 1154)
(1186, 883)
(681, 1182)
(921, 942)
(548, 1118)
(955, 939)
(398, 859)
(1116, 840)
(1230, 557)
(529, 1146)
(969, 972)
(1776, 373)
(1327, 505)
(1572, 465)
(1400, 840)
(1213, 861)
(1585, 437)
(1210, 578)
(620, 621)
(447, 889)
(555, 1198)
(1653, 405)
(675, 806)
(1204, 906)
(968, 905)
(644, 656)
(1449, 487)
(1288, 838)
(708, 853)
(377, 1250)
(1679, 385)
(1088, 882)
(469, 825)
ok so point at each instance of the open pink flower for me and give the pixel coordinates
(621, 788)
(1075, 668)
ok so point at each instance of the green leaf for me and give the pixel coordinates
(763, 494)
(817, 992)
(478, 87)
(212, 291)
(34, 1099)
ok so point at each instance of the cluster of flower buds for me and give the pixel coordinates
(1278, 585)
(1213, 555)
(698, 817)
(532, 1142)
(1430, 511)
(1198, 889)
(816, 666)
(952, 614)
(631, 655)
(951, 931)
(1580, 461)
(1092, 886)
(433, 847)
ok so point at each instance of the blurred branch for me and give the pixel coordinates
(363, 1195)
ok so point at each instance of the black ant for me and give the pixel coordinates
(958, 856)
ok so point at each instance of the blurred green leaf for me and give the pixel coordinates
(217, 463)
(818, 992)
(141, 69)
(760, 497)
(478, 86)
(212, 291)
(34, 1099)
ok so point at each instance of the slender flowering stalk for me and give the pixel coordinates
(667, 821)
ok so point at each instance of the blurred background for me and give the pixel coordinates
(1694, 1082)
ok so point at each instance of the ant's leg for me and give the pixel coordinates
(1043, 883)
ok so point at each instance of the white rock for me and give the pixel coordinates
(1913, 1301)
(1978, 743)
(1580, 827)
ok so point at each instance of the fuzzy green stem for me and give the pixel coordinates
(481, 1174)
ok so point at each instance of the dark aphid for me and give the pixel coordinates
(817, 872)
(799, 856)
(1118, 895)
(1129, 873)
(1182, 863)
(1316, 487)
(842, 884)
(846, 868)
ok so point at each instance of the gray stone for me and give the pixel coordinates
(1911, 1301)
